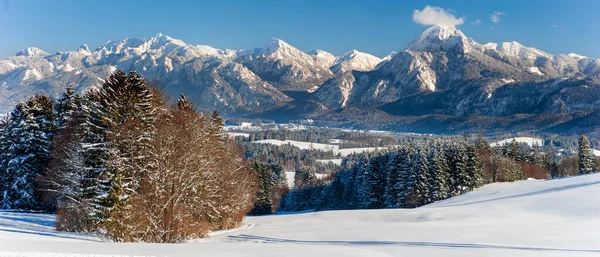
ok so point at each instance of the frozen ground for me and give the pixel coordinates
(528, 140)
(290, 176)
(529, 218)
(318, 146)
(334, 161)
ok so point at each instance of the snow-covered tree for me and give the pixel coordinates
(27, 145)
(473, 169)
(457, 160)
(587, 160)
(439, 174)
(395, 185)
(418, 191)
(66, 107)
(263, 203)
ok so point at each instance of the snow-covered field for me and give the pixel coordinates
(300, 144)
(527, 140)
(325, 147)
(334, 161)
(237, 134)
(528, 218)
(291, 175)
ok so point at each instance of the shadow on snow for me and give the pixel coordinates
(244, 237)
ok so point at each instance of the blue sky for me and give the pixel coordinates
(374, 26)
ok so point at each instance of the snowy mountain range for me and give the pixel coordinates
(442, 72)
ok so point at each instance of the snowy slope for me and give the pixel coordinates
(527, 218)
(355, 60)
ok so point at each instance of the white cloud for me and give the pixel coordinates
(432, 15)
(478, 21)
(495, 17)
(554, 26)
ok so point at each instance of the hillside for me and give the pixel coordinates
(526, 218)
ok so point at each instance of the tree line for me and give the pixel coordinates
(120, 160)
(418, 173)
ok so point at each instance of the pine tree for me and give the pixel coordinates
(439, 175)
(66, 107)
(29, 140)
(397, 169)
(587, 162)
(457, 160)
(514, 151)
(117, 144)
(362, 182)
(263, 203)
(419, 193)
(374, 182)
(473, 169)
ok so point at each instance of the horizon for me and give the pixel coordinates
(267, 41)
(377, 29)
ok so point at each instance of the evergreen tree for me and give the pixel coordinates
(587, 160)
(473, 169)
(419, 192)
(374, 182)
(28, 142)
(514, 151)
(304, 175)
(117, 144)
(439, 175)
(263, 203)
(66, 107)
(397, 169)
(457, 160)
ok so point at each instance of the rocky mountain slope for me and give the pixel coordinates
(445, 72)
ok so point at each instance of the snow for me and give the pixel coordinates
(66, 68)
(168, 64)
(334, 161)
(33, 74)
(323, 58)
(515, 49)
(32, 52)
(237, 134)
(355, 60)
(318, 146)
(290, 175)
(300, 144)
(507, 81)
(527, 218)
(577, 56)
(442, 38)
(47, 254)
(596, 152)
(535, 70)
(527, 140)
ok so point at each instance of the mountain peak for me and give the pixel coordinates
(32, 51)
(442, 38)
(355, 60)
(84, 48)
(162, 40)
(275, 44)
